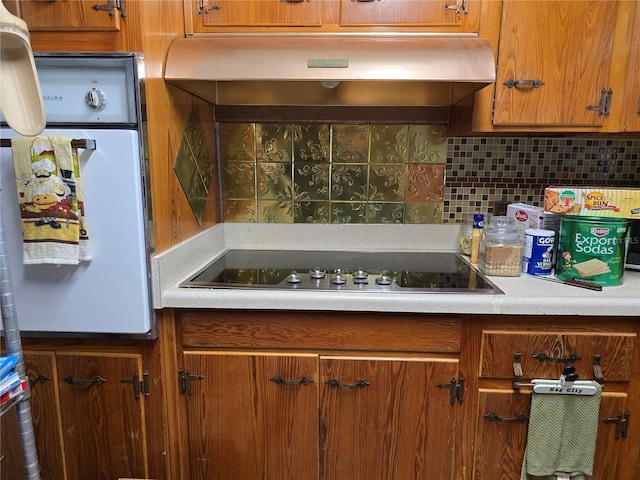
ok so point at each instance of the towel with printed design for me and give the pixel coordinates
(51, 201)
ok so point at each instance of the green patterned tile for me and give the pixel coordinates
(348, 182)
(274, 181)
(238, 180)
(312, 143)
(423, 213)
(427, 144)
(350, 143)
(239, 211)
(385, 212)
(275, 211)
(389, 144)
(387, 182)
(311, 181)
(274, 142)
(311, 212)
(425, 183)
(237, 142)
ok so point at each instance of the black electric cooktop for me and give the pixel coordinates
(382, 272)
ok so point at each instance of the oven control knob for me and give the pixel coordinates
(383, 279)
(96, 99)
(360, 277)
(317, 274)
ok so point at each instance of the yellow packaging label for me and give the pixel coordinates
(593, 201)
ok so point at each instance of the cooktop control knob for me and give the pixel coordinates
(360, 276)
(294, 278)
(96, 99)
(338, 278)
(383, 279)
(317, 274)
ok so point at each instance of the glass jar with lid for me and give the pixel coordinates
(500, 251)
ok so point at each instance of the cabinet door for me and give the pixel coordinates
(386, 418)
(450, 15)
(503, 422)
(257, 13)
(102, 421)
(70, 15)
(40, 368)
(632, 87)
(564, 45)
(252, 416)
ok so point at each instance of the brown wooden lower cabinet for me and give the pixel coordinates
(279, 416)
(87, 422)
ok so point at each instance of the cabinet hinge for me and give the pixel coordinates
(605, 103)
(459, 6)
(205, 8)
(139, 386)
(112, 5)
(456, 389)
(184, 380)
(622, 424)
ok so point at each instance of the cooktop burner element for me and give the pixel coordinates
(402, 272)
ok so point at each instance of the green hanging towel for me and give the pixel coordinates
(562, 436)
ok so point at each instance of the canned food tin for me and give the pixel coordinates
(592, 248)
(537, 253)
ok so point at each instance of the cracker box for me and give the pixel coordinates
(593, 201)
(526, 216)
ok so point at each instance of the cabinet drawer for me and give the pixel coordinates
(551, 349)
(327, 330)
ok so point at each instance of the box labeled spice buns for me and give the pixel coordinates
(593, 201)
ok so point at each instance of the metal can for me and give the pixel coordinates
(537, 253)
(592, 248)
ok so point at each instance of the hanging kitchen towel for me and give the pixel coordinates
(561, 439)
(51, 206)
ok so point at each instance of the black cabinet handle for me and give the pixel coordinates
(281, 381)
(511, 83)
(492, 417)
(349, 386)
(97, 380)
(543, 357)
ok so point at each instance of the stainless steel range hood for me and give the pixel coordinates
(331, 69)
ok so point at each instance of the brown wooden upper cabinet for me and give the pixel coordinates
(252, 13)
(72, 15)
(553, 62)
(631, 114)
(448, 15)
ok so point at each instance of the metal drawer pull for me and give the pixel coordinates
(543, 357)
(350, 386)
(97, 380)
(364, 1)
(281, 381)
(492, 417)
(511, 83)
(294, 1)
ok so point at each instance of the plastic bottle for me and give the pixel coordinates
(476, 235)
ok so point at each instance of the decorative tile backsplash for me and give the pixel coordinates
(322, 173)
(359, 173)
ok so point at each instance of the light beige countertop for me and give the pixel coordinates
(523, 295)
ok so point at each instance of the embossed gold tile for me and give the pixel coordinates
(385, 212)
(350, 143)
(427, 144)
(274, 181)
(274, 142)
(275, 211)
(238, 180)
(240, 211)
(237, 142)
(389, 144)
(311, 212)
(348, 182)
(312, 143)
(311, 181)
(423, 213)
(425, 183)
(348, 212)
(387, 182)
